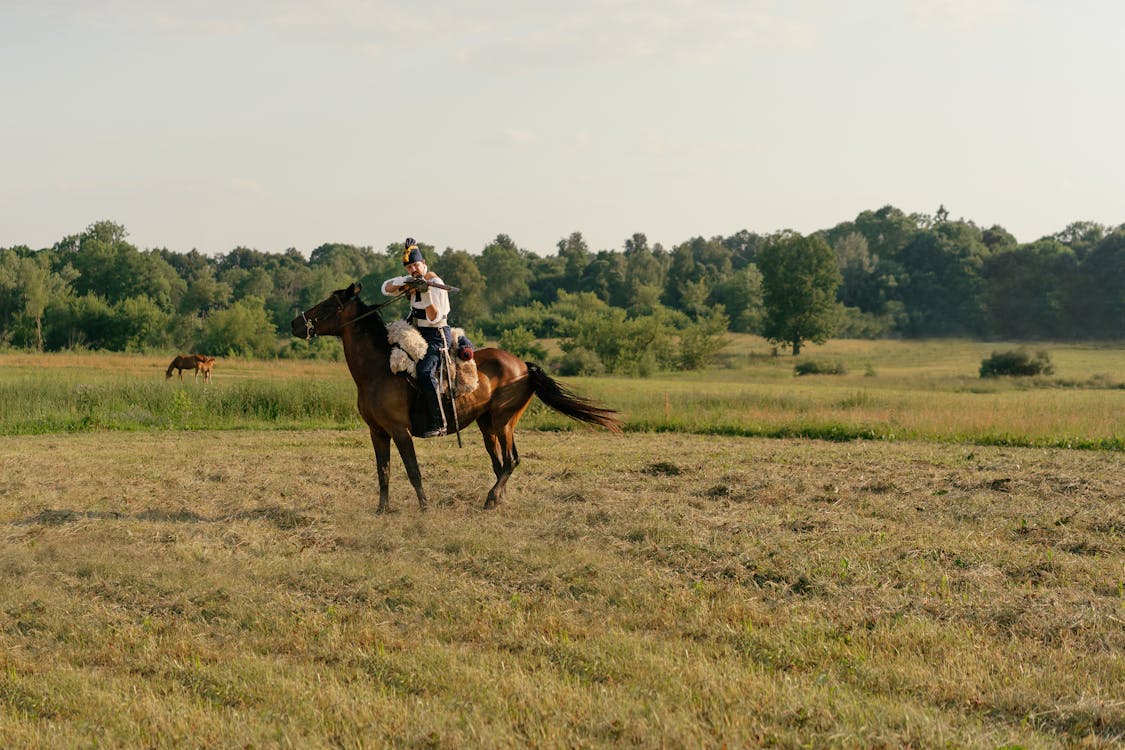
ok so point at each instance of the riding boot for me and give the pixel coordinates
(436, 425)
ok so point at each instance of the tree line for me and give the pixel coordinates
(641, 308)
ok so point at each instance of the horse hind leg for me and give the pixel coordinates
(495, 454)
(496, 492)
(502, 450)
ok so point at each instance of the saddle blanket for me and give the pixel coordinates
(408, 346)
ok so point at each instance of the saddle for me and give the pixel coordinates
(408, 346)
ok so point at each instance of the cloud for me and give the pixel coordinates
(962, 15)
(520, 137)
(625, 31)
(246, 186)
(498, 34)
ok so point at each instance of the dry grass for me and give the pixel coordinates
(235, 589)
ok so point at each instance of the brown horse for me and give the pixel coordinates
(505, 387)
(201, 363)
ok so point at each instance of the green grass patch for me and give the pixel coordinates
(37, 405)
(927, 391)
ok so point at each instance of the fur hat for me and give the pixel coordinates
(410, 252)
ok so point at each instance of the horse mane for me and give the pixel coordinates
(371, 323)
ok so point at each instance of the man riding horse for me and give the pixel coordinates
(429, 313)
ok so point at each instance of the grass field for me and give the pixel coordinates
(892, 391)
(235, 589)
(201, 566)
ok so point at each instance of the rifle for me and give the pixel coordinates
(416, 284)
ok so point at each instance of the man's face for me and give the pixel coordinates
(417, 268)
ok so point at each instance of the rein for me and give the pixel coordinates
(310, 323)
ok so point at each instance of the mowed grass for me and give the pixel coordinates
(892, 390)
(235, 589)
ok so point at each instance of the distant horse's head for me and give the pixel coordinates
(329, 317)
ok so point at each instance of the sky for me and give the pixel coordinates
(271, 124)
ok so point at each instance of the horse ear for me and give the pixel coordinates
(353, 290)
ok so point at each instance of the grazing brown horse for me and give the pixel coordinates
(505, 387)
(201, 363)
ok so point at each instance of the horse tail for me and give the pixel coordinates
(563, 400)
(170, 368)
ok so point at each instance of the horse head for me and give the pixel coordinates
(329, 317)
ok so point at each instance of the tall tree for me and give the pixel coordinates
(38, 285)
(645, 273)
(548, 277)
(9, 296)
(697, 260)
(605, 277)
(506, 274)
(743, 246)
(459, 269)
(1082, 236)
(740, 294)
(859, 287)
(575, 254)
(996, 238)
(887, 230)
(112, 268)
(1026, 289)
(350, 262)
(799, 281)
(1098, 299)
(942, 286)
(204, 293)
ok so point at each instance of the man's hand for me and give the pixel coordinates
(416, 284)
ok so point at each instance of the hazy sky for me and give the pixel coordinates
(273, 124)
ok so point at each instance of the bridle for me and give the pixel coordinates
(310, 323)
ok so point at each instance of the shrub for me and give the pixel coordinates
(243, 329)
(628, 346)
(815, 367)
(533, 317)
(522, 343)
(580, 361)
(322, 347)
(1016, 362)
(702, 340)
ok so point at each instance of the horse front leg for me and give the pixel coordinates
(381, 441)
(405, 445)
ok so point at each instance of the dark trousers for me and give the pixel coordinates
(429, 368)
